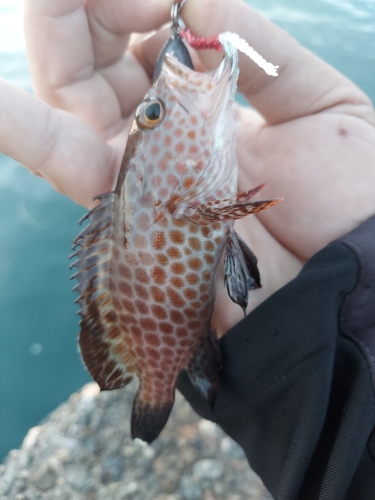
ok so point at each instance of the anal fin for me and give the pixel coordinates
(241, 272)
(204, 366)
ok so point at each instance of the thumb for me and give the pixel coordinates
(305, 82)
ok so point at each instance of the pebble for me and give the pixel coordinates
(208, 469)
(44, 478)
(83, 451)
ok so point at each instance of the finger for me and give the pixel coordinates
(62, 63)
(304, 85)
(112, 21)
(56, 146)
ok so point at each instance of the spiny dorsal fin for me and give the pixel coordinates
(100, 336)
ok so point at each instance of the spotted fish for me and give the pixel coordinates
(147, 262)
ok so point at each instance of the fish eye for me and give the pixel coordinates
(150, 114)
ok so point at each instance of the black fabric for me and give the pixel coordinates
(296, 391)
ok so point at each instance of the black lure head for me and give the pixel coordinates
(176, 47)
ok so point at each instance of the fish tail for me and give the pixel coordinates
(148, 419)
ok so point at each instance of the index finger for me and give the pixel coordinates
(306, 85)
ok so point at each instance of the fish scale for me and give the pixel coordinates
(147, 262)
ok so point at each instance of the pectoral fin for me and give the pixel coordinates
(241, 272)
(226, 210)
(204, 366)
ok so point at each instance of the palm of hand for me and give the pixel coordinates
(312, 142)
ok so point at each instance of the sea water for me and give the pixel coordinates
(39, 362)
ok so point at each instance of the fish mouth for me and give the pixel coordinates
(194, 88)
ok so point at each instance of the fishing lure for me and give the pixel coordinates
(147, 262)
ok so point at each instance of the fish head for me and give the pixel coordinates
(184, 124)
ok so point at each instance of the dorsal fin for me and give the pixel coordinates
(102, 343)
(100, 333)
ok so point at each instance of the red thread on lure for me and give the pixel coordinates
(202, 43)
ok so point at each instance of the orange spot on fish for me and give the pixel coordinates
(159, 275)
(209, 246)
(209, 258)
(152, 339)
(190, 293)
(157, 181)
(170, 341)
(128, 305)
(189, 182)
(176, 316)
(179, 223)
(152, 353)
(181, 168)
(177, 282)
(192, 278)
(177, 237)
(175, 298)
(168, 124)
(180, 147)
(193, 120)
(155, 149)
(163, 164)
(194, 325)
(141, 291)
(145, 258)
(166, 328)
(159, 312)
(190, 313)
(141, 275)
(178, 268)
(165, 351)
(124, 271)
(178, 132)
(172, 180)
(167, 141)
(195, 263)
(162, 259)
(191, 134)
(195, 243)
(206, 275)
(140, 241)
(159, 240)
(148, 324)
(174, 253)
(182, 332)
(141, 306)
(158, 295)
(125, 288)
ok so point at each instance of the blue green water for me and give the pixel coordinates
(39, 363)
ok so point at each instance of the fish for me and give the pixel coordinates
(148, 259)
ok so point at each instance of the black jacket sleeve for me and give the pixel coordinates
(297, 387)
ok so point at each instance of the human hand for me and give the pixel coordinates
(312, 139)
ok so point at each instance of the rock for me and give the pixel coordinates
(208, 469)
(190, 489)
(44, 478)
(83, 451)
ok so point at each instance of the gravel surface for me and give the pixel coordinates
(83, 450)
